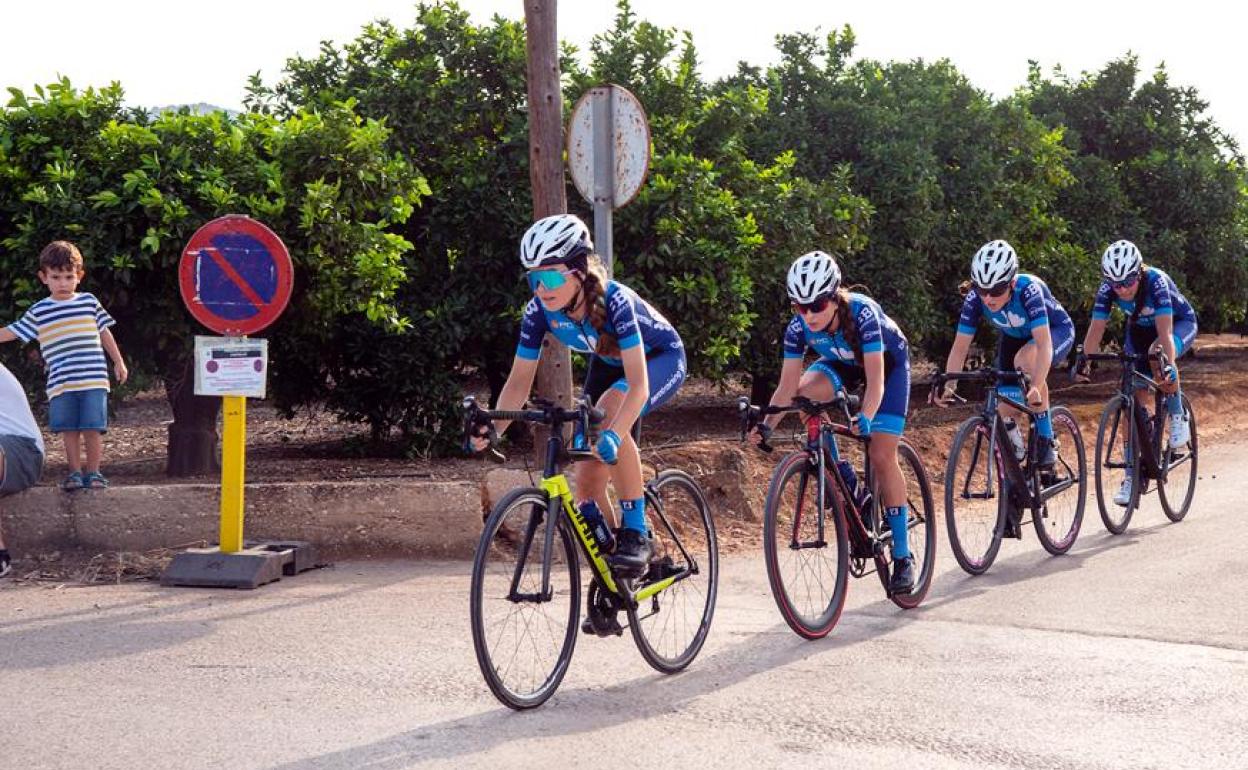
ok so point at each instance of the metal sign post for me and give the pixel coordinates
(236, 278)
(608, 155)
(604, 172)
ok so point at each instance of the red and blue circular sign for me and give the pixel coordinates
(235, 275)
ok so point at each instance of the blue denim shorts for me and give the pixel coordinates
(79, 410)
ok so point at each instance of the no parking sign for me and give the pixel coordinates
(235, 276)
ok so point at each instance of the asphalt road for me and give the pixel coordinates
(1131, 652)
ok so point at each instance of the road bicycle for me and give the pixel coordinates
(989, 486)
(526, 585)
(1130, 442)
(813, 490)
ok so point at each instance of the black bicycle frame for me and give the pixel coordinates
(1021, 493)
(1147, 429)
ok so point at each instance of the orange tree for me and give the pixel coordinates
(131, 187)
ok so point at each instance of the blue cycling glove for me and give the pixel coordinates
(609, 446)
(864, 424)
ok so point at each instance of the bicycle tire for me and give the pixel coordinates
(1114, 417)
(1064, 421)
(1176, 513)
(499, 538)
(974, 563)
(682, 505)
(818, 616)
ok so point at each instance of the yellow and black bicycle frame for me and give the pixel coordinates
(559, 498)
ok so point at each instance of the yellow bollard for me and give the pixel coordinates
(233, 449)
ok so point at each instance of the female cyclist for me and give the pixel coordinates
(1159, 318)
(637, 363)
(854, 340)
(1036, 332)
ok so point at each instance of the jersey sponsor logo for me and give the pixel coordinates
(838, 348)
(1012, 320)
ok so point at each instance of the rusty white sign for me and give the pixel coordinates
(631, 139)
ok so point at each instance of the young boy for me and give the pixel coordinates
(72, 330)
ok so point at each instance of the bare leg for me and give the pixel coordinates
(891, 482)
(94, 442)
(73, 453)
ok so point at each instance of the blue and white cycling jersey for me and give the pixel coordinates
(1161, 297)
(630, 318)
(876, 333)
(1031, 306)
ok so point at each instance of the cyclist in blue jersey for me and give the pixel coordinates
(1036, 332)
(1159, 318)
(855, 340)
(637, 364)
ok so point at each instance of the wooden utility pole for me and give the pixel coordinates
(554, 374)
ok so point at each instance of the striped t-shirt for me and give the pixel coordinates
(68, 332)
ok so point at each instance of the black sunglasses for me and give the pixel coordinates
(994, 291)
(818, 306)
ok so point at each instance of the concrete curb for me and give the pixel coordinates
(432, 519)
(429, 519)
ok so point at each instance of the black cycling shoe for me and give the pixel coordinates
(632, 553)
(903, 576)
(1046, 454)
(595, 624)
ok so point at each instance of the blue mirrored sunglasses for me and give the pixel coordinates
(549, 279)
(1125, 283)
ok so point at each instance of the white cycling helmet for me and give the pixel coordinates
(994, 263)
(812, 276)
(553, 240)
(1121, 261)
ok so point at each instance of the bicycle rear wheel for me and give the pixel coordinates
(972, 515)
(921, 526)
(1061, 515)
(523, 641)
(808, 576)
(671, 626)
(1180, 485)
(1117, 458)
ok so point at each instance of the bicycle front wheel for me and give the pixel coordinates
(671, 625)
(524, 637)
(1117, 459)
(1180, 485)
(808, 570)
(973, 513)
(1064, 492)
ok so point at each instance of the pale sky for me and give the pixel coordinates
(169, 52)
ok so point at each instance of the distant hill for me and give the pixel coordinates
(201, 108)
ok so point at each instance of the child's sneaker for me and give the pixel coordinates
(6, 564)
